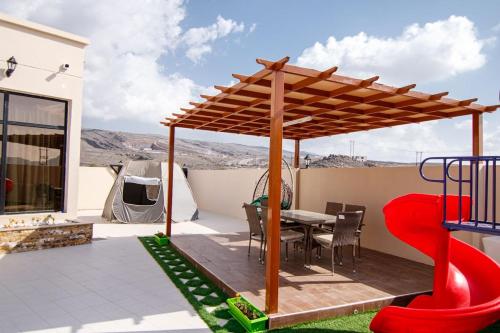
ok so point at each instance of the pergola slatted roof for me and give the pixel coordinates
(317, 103)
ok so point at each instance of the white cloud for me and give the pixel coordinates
(492, 141)
(491, 133)
(124, 78)
(198, 40)
(491, 136)
(464, 124)
(434, 51)
(399, 143)
(254, 26)
(496, 28)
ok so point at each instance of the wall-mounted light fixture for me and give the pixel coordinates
(308, 160)
(11, 66)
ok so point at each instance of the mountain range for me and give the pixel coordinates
(104, 147)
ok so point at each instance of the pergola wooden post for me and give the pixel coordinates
(477, 134)
(296, 155)
(171, 145)
(274, 209)
(296, 165)
(477, 150)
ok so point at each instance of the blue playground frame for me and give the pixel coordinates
(480, 195)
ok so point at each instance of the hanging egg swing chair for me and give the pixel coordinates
(260, 193)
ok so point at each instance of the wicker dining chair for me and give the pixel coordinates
(286, 235)
(357, 208)
(255, 227)
(346, 226)
(333, 208)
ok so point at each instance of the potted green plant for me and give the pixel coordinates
(251, 318)
(161, 238)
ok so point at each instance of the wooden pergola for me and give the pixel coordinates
(283, 101)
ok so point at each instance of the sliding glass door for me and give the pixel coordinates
(33, 154)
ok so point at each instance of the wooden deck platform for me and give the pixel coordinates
(307, 294)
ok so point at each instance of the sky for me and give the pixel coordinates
(149, 58)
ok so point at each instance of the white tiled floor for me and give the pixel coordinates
(111, 285)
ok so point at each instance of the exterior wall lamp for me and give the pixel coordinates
(11, 66)
(307, 159)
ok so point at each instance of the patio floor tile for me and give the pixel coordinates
(378, 276)
(109, 285)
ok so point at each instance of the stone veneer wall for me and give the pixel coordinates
(46, 237)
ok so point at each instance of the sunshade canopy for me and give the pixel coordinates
(317, 103)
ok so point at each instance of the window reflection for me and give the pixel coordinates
(36, 110)
(34, 165)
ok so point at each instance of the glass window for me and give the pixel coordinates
(34, 137)
(34, 169)
(36, 110)
(1, 144)
(1, 140)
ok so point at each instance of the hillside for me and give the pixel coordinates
(102, 148)
(343, 161)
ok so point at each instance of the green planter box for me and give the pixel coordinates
(255, 325)
(161, 240)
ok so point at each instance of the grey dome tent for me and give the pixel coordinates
(138, 195)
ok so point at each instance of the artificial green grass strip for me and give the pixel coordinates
(204, 293)
(353, 323)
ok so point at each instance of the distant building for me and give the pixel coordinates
(41, 84)
(360, 158)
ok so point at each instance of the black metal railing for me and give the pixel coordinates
(481, 183)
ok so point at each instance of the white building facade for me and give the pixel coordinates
(41, 88)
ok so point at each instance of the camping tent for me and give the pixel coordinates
(137, 196)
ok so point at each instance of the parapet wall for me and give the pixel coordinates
(224, 191)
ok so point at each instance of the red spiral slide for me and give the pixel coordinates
(466, 295)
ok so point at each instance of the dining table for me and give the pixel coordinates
(307, 220)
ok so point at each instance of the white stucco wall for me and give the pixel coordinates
(94, 186)
(223, 192)
(40, 51)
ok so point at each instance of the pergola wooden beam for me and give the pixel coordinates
(273, 65)
(299, 85)
(353, 100)
(417, 98)
(350, 121)
(330, 128)
(330, 107)
(260, 74)
(341, 95)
